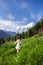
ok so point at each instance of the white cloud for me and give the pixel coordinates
(14, 26)
(31, 24)
(23, 28)
(8, 25)
(10, 17)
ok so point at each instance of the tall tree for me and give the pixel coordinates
(41, 22)
(30, 32)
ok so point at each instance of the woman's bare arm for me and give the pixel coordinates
(16, 42)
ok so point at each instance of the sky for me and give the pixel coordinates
(18, 15)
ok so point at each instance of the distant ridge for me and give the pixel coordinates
(4, 34)
(11, 33)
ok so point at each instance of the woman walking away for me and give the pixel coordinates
(18, 42)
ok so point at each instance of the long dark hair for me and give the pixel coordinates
(18, 37)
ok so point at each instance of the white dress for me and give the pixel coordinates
(18, 44)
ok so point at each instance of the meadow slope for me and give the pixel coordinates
(31, 52)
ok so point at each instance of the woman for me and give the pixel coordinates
(18, 44)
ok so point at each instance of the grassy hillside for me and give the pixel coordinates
(31, 52)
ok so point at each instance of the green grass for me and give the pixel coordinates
(31, 52)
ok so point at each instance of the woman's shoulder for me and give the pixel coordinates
(18, 39)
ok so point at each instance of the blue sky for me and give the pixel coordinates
(19, 14)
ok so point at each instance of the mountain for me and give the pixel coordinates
(11, 33)
(4, 34)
